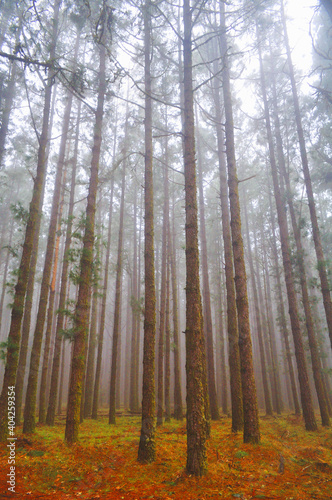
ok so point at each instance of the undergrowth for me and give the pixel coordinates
(289, 464)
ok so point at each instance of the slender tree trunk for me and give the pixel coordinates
(49, 328)
(251, 431)
(232, 323)
(90, 366)
(261, 342)
(197, 395)
(282, 316)
(147, 445)
(62, 375)
(23, 273)
(214, 409)
(133, 396)
(178, 410)
(127, 346)
(4, 273)
(30, 293)
(64, 282)
(87, 342)
(220, 329)
(138, 364)
(95, 401)
(321, 262)
(167, 346)
(117, 306)
(313, 345)
(164, 245)
(307, 406)
(82, 305)
(272, 334)
(9, 98)
(31, 394)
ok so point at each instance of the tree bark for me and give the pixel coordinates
(251, 431)
(23, 273)
(178, 407)
(277, 395)
(30, 293)
(321, 262)
(4, 273)
(164, 245)
(9, 99)
(282, 315)
(95, 401)
(167, 347)
(313, 345)
(82, 305)
(307, 406)
(197, 395)
(31, 394)
(117, 305)
(232, 323)
(133, 395)
(49, 327)
(90, 365)
(214, 409)
(147, 445)
(64, 282)
(261, 341)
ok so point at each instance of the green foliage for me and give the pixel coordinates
(68, 334)
(35, 453)
(20, 213)
(4, 348)
(3, 351)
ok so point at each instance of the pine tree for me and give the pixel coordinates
(251, 431)
(147, 445)
(82, 305)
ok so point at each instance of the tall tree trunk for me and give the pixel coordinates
(4, 273)
(214, 409)
(321, 262)
(23, 272)
(82, 305)
(49, 327)
(62, 376)
(261, 341)
(31, 394)
(307, 406)
(164, 245)
(30, 293)
(178, 410)
(64, 282)
(90, 365)
(127, 357)
(167, 346)
(117, 306)
(232, 323)
(313, 345)
(197, 395)
(95, 401)
(223, 379)
(282, 315)
(251, 431)
(9, 98)
(147, 445)
(133, 390)
(277, 396)
(87, 342)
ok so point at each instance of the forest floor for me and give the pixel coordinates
(104, 463)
